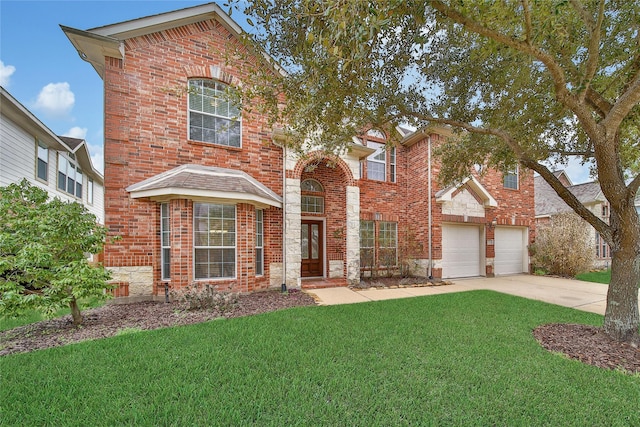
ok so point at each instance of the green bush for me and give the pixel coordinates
(43, 253)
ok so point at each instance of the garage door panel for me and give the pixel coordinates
(460, 251)
(510, 250)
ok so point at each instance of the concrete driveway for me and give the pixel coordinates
(586, 296)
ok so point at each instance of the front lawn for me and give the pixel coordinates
(457, 359)
(600, 276)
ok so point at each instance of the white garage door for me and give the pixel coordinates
(510, 247)
(460, 251)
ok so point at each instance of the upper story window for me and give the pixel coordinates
(212, 116)
(382, 163)
(511, 179)
(42, 168)
(311, 203)
(90, 191)
(69, 175)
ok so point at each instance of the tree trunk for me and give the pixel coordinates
(75, 312)
(621, 318)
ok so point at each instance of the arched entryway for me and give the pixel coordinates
(327, 226)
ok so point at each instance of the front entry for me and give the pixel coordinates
(311, 248)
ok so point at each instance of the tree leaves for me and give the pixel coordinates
(43, 249)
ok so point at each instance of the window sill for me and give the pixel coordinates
(213, 145)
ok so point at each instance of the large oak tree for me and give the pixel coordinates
(528, 82)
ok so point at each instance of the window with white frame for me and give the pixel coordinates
(259, 242)
(42, 168)
(388, 243)
(69, 176)
(603, 250)
(311, 200)
(367, 244)
(214, 240)
(165, 241)
(392, 164)
(213, 116)
(511, 179)
(90, 191)
(377, 162)
(381, 164)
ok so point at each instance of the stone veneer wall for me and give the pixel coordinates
(292, 232)
(139, 278)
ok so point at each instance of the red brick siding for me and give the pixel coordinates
(146, 133)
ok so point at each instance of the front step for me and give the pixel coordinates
(324, 283)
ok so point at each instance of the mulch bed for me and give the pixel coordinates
(109, 319)
(590, 345)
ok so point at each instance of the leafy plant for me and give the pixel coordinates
(43, 253)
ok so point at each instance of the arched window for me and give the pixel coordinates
(312, 203)
(213, 117)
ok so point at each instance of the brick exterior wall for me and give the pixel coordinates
(407, 203)
(146, 133)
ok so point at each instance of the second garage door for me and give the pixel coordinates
(511, 247)
(461, 253)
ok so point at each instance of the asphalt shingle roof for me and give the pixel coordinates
(548, 202)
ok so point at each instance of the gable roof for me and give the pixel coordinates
(446, 194)
(96, 43)
(548, 202)
(24, 118)
(205, 182)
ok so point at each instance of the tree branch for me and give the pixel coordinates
(563, 95)
(593, 48)
(623, 106)
(527, 21)
(566, 195)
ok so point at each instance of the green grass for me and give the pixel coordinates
(33, 316)
(457, 359)
(602, 276)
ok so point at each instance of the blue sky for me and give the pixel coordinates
(42, 70)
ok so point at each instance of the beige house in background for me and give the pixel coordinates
(548, 203)
(58, 164)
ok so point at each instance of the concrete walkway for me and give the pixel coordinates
(586, 296)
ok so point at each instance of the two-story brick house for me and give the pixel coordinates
(198, 192)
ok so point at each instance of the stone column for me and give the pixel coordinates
(293, 220)
(353, 234)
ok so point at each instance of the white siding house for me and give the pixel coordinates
(60, 165)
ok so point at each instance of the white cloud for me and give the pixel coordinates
(56, 99)
(77, 132)
(5, 73)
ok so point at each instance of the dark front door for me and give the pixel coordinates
(311, 245)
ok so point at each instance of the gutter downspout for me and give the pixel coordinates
(283, 287)
(429, 208)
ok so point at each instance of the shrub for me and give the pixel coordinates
(43, 253)
(563, 246)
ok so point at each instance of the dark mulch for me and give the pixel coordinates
(109, 319)
(590, 345)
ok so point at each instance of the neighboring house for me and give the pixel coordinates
(58, 164)
(199, 194)
(548, 203)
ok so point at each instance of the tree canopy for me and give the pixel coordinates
(529, 82)
(43, 253)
